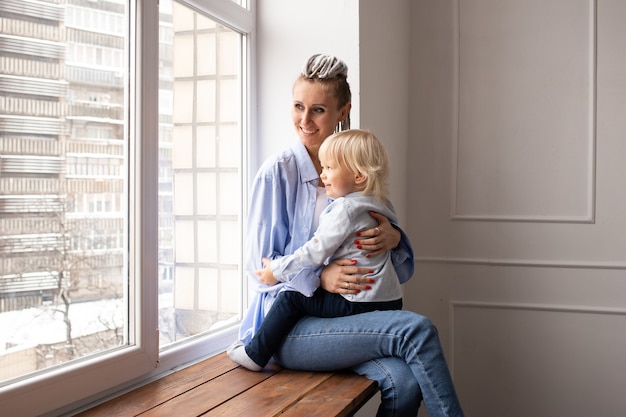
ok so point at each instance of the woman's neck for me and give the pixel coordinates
(316, 163)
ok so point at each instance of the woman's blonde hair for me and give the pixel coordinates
(360, 151)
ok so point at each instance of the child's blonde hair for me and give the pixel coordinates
(360, 151)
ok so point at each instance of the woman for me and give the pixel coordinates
(400, 350)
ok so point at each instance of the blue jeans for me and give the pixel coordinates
(398, 349)
(291, 306)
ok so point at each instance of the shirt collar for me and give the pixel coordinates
(307, 169)
(349, 195)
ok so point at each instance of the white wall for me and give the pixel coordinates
(517, 215)
(289, 32)
(384, 65)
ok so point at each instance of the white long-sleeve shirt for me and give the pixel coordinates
(334, 239)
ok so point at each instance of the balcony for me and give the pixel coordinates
(30, 29)
(29, 85)
(104, 112)
(17, 145)
(12, 204)
(39, 9)
(32, 47)
(31, 107)
(32, 125)
(94, 77)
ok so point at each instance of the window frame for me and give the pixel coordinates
(80, 384)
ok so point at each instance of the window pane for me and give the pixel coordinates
(242, 3)
(200, 201)
(63, 164)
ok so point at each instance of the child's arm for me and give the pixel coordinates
(265, 275)
(301, 269)
(309, 258)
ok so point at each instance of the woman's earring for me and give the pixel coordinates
(343, 124)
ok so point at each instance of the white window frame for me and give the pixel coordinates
(77, 385)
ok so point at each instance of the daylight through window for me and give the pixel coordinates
(200, 181)
(63, 164)
(122, 132)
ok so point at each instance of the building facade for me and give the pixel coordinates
(62, 150)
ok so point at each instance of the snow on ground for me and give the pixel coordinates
(44, 325)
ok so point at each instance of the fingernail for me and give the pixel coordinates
(371, 281)
(356, 242)
(371, 271)
(354, 261)
(358, 233)
(367, 256)
(367, 287)
(359, 247)
(358, 291)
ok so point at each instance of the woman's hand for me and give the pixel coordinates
(344, 277)
(380, 239)
(265, 275)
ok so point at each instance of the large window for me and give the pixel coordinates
(200, 181)
(122, 140)
(64, 155)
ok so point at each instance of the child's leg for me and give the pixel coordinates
(328, 305)
(283, 315)
(287, 309)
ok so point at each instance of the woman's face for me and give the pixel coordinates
(314, 113)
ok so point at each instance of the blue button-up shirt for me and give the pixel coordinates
(280, 218)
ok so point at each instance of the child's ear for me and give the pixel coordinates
(360, 178)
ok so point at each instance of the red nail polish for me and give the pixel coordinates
(359, 247)
(367, 287)
(358, 233)
(367, 256)
(371, 271)
(354, 261)
(371, 281)
(356, 242)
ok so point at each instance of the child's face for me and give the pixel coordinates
(337, 180)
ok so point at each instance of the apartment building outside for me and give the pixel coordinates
(64, 150)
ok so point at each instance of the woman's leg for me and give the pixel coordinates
(329, 344)
(287, 309)
(400, 393)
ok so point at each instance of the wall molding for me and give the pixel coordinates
(455, 305)
(559, 308)
(586, 217)
(529, 263)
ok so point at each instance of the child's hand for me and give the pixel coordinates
(265, 275)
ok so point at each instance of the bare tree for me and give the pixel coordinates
(73, 257)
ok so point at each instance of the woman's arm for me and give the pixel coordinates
(380, 239)
(343, 276)
(267, 227)
(277, 223)
(389, 236)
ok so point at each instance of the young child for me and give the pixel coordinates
(354, 171)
